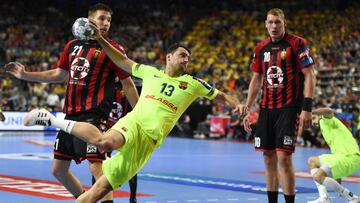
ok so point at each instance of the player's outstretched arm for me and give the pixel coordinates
(253, 90)
(326, 112)
(18, 70)
(121, 60)
(231, 100)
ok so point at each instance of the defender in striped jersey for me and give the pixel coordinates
(165, 95)
(90, 76)
(282, 63)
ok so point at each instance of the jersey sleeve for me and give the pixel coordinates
(204, 89)
(63, 61)
(119, 72)
(255, 64)
(303, 54)
(141, 71)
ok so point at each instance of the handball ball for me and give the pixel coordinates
(81, 29)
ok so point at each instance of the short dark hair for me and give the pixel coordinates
(101, 7)
(172, 48)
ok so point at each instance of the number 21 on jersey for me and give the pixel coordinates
(77, 50)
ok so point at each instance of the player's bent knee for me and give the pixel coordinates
(113, 140)
(285, 161)
(58, 173)
(318, 177)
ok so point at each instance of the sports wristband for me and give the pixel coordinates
(307, 104)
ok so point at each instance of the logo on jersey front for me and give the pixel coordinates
(80, 68)
(274, 76)
(283, 54)
(97, 53)
(183, 85)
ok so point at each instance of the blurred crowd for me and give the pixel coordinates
(221, 35)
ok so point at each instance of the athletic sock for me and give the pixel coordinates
(133, 186)
(333, 184)
(321, 188)
(289, 198)
(272, 196)
(63, 124)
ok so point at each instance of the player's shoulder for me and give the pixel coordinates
(143, 67)
(116, 45)
(201, 81)
(295, 39)
(71, 43)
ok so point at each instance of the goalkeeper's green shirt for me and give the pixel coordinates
(338, 137)
(164, 99)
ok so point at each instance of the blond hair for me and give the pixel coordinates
(276, 12)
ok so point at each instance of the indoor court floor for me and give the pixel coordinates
(180, 171)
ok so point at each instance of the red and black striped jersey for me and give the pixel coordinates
(91, 76)
(281, 63)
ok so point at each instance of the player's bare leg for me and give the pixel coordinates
(60, 170)
(321, 178)
(272, 182)
(85, 131)
(317, 173)
(96, 170)
(286, 175)
(96, 192)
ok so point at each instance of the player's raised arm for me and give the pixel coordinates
(121, 60)
(18, 70)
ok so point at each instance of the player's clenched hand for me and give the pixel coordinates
(93, 25)
(16, 69)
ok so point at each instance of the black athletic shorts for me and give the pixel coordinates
(277, 129)
(69, 147)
